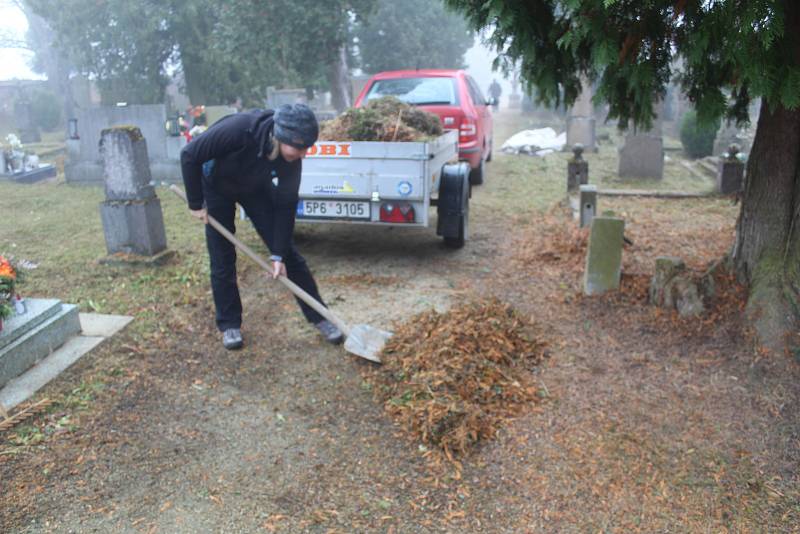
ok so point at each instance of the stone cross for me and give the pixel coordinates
(604, 257)
(131, 213)
(581, 121)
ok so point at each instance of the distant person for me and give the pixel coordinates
(495, 91)
(255, 159)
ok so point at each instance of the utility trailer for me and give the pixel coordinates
(387, 184)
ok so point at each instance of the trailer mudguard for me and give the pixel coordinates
(453, 203)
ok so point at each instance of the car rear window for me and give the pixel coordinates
(417, 91)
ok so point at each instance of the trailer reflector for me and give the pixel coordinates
(397, 212)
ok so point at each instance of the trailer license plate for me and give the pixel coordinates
(335, 209)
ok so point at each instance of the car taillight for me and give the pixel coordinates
(468, 128)
(397, 212)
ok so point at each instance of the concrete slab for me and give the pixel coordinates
(38, 311)
(20, 355)
(96, 328)
(24, 386)
(98, 324)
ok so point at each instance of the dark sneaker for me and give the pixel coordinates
(232, 339)
(330, 332)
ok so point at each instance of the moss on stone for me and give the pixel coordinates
(133, 132)
(773, 306)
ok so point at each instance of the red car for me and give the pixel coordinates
(452, 95)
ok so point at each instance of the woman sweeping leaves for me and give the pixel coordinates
(254, 159)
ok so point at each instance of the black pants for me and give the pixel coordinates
(223, 255)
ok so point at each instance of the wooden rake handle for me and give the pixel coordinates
(294, 288)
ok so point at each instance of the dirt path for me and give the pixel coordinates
(648, 425)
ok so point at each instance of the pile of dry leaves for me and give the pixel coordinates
(383, 119)
(453, 378)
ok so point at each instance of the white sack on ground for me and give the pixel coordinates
(537, 142)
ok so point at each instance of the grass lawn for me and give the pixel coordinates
(57, 226)
(545, 178)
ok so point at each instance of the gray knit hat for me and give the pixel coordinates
(296, 125)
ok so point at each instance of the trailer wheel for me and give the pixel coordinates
(458, 242)
(453, 205)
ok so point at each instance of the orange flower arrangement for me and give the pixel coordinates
(6, 270)
(8, 279)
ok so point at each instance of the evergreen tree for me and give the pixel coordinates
(732, 51)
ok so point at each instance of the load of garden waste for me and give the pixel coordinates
(452, 379)
(382, 119)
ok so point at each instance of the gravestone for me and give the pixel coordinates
(588, 204)
(730, 174)
(280, 97)
(84, 164)
(577, 169)
(174, 146)
(604, 257)
(642, 156)
(667, 268)
(131, 214)
(29, 337)
(672, 287)
(215, 113)
(581, 121)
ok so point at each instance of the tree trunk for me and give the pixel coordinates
(766, 254)
(339, 81)
(191, 38)
(767, 250)
(193, 78)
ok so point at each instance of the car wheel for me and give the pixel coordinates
(489, 155)
(476, 175)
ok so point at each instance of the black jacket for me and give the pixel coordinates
(239, 144)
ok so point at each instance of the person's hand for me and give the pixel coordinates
(201, 214)
(278, 269)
